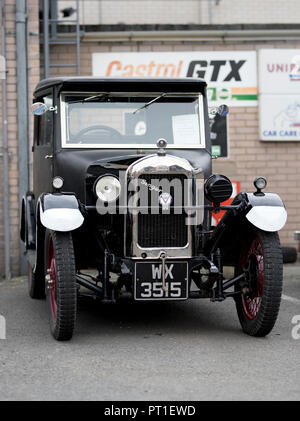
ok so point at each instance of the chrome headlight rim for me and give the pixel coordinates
(114, 188)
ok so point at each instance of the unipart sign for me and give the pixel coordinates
(279, 71)
(279, 87)
(230, 75)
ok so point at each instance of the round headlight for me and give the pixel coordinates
(108, 188)
(260, 183)
(57, 182)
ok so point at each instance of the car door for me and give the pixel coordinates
(43, 151)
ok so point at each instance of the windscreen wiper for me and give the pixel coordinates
(149, 103)
(90, 98)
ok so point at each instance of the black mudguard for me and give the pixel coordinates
(248, 211)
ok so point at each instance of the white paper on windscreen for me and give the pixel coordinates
(186, 129)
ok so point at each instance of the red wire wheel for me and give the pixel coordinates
(259, 300)
(254, 256)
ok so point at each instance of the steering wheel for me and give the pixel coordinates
(106, 130)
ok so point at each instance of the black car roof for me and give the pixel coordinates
(90, 83)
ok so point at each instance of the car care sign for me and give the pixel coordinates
(230, 75)
(279, 88)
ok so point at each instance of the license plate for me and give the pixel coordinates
(148, 281)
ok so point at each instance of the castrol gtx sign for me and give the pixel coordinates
(230, 75)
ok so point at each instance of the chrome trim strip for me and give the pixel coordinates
(202, 121)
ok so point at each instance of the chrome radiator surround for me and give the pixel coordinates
(157, 165)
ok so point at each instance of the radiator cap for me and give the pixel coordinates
(161, 144)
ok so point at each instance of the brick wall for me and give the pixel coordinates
(254, 11)
(134, 11)
(184, 11)
(248, 156)
(149, 11)
(12, 122)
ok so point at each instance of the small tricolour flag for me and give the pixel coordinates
(244, 94)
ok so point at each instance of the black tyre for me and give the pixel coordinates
(60, 278)
(289, 254)
(258, 305)
(36, 283)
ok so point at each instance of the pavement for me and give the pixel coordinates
(193, 350)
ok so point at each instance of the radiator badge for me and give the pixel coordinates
(165, 200)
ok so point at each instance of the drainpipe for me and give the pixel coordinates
(29, 115)
(46, 38)
(5, 151)
(22, 95)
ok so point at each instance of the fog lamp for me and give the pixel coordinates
(260, 183)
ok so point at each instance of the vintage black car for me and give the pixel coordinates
(122, 200)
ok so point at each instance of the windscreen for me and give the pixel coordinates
(114, 120)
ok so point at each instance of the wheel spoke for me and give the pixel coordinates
(251, 304)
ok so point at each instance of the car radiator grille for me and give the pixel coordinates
(162, 230)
